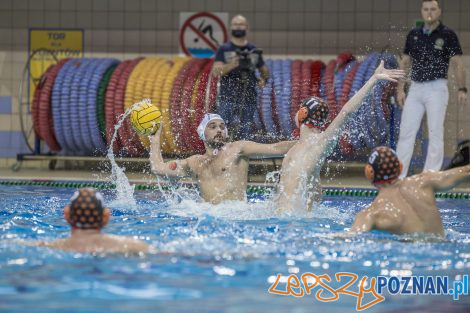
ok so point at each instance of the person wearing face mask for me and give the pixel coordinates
(429, 50)
(236, 63)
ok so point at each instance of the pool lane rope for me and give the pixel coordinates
(259, 190)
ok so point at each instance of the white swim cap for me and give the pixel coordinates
(208, 117)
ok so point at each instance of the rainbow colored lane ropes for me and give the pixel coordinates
(260, 190)
(79, 102)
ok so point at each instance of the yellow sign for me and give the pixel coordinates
(47, 46)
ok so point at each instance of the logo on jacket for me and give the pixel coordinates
(439, 44)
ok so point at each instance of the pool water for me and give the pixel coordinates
(215, 258)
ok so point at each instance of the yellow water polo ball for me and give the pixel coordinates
(146, 118)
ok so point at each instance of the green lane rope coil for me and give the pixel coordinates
(257, 190)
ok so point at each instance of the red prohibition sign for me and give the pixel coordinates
(199, 34)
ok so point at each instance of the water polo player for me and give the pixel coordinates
(222, 171)
(87, 215)
(405, 205)
(300, 173)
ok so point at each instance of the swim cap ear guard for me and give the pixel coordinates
(86, 209)
(208, 117)
(383, 166)
(313, 112)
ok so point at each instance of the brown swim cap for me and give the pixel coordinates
(86, 209)
(383, 165)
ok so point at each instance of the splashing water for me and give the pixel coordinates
(124, 190)
(272, 177)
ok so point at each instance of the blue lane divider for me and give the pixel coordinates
(266, 101)
(59, 128)
(101, 65)
(65, 101)
(385, 135)
(322, 84)
(285, 118)
(340, 81)
(73, 108)
(369, 126)
(277, 93)
(83, 99)
(338, 85)
(282, 92)
(354, 124)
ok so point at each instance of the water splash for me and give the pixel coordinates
(124, 190)
(272, 177)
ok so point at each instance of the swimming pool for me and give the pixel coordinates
(218, 258)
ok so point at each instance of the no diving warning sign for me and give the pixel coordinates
(202, 33)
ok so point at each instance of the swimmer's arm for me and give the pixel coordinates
(336, 127)
(355, 102)
(51, 244)
(445, 180)
(174, 168)
(252, 149)
(137, 246)
(364, 222)
(33, 243)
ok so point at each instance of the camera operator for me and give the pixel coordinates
(236, 62)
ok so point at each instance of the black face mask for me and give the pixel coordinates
(238, 33)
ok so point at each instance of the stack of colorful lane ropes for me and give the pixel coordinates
(78, 102)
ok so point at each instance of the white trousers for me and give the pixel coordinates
(430, 97)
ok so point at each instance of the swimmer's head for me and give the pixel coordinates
(86, 210)
(212, 130)
(383, 166)
(313, 112)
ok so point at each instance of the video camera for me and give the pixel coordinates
(462, 155)
(248, 58)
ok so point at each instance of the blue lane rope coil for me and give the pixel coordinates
(285, 116)
(266, 111)
(56, 99)
(74, 116)
(102, 65)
